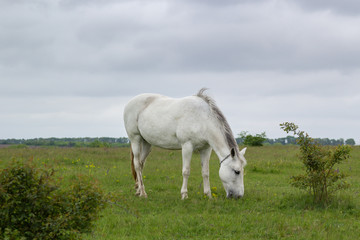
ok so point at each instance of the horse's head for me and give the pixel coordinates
(232, 173)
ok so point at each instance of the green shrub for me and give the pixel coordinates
(18, 146)
(98, 144)
(321, 178)
(33, 206)
(251, 140)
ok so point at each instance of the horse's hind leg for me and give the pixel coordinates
(145, 150)
(141, 150)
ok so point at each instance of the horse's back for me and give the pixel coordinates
(164, 121)
(138, 103)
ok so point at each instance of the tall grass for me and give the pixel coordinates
(270, 209)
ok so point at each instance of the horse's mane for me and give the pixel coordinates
(216, 112)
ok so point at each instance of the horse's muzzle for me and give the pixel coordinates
(231, 194)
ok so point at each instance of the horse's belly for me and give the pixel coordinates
(161, 138)
(159, 132)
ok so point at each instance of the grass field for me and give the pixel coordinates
(270, 209)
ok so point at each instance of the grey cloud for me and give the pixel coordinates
(127, 37)
(285, 41)
(341, 7)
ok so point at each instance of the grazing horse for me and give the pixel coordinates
(189, 123)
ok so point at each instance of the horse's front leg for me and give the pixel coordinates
(205, 156)
(187, 150)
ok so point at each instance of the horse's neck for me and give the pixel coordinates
(219, 144)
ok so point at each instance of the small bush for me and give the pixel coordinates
(251, 140)
(99, 144)
(32, 206)
(18, 146)
(321, 178)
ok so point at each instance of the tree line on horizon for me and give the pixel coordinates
(124, 141)
(69, 142)
(322, 141)
(261, 139)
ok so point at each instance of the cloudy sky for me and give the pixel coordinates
(68, 67)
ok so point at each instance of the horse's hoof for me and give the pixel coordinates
(184, 196)
(144, 195)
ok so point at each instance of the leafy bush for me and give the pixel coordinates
(32, 206)
(321, 179)
(98, 144)
(251, 140)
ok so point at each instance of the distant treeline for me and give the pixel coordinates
(124, 142)
(292, 140)
(70, 142)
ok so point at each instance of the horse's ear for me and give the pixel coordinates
(232, 152)
(243, 151)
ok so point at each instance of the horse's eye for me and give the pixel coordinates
(237, 172)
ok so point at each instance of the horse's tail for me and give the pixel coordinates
(132, 164)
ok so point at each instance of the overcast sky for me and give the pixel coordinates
(68, 67)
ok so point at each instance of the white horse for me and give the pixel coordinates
(190, 123)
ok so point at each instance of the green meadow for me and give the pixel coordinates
(270, 209)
